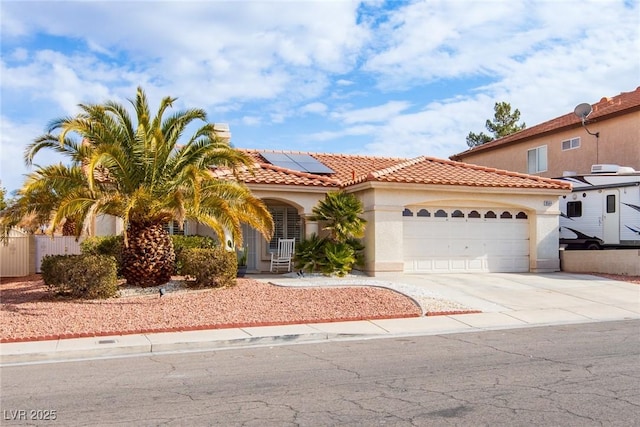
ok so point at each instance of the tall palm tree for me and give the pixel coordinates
(145, 173)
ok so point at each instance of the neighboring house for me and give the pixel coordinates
(423, 214)
(563, 145)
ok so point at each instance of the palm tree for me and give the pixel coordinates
(340, 213)
(144, 173)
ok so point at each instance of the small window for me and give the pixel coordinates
(424, 213)
(457, 214)
(537, 159)
(574, 209)
(570, 144)
(611, 203)
(506, 215)
(407, 212)
(521, 215)
(474, 214)
(490, 214)
(440, 214)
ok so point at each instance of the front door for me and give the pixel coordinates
(611, 217)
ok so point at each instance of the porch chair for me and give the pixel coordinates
(283, 257)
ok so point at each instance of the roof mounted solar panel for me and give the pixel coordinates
(310, 164)
(281, 160)
(298, 162)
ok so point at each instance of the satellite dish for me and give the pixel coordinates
(582, 111)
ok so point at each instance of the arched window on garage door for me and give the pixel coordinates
(506, 215)
(441, 214)
(490, 214)
(457, 214)
(521, 215)
(424, 213)
(473, 214)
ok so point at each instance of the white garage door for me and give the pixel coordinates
(447, 240)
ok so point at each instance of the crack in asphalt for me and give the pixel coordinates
(325, 360)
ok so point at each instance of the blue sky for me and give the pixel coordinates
(399, 78)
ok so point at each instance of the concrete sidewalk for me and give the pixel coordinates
(507, 300)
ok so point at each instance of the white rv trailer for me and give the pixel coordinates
(603, 209)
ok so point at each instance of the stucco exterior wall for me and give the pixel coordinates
(107, 225)
(618, 143)
(303, 199)
(383, 240)
(619, 261)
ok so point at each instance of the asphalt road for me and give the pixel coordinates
(572, 375)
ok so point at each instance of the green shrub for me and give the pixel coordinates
(358, 249)
(104, 245)
(310, 255)
(316, 254)
(340, 258)
(211, 268)
(180, 243)
(81, 276)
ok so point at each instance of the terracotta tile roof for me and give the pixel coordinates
(429, 170)
(606, 108)
(346, 166)
(266, 173)
(354, 169)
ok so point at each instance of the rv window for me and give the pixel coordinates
(611, 203)
(574, 209)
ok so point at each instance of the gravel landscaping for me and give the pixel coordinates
(28, 312)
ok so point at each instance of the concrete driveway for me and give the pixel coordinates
(561, 297)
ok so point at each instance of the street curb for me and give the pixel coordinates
(144, 345)
(220, 326)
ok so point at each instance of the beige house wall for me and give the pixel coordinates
(107, 225)
(621, 261)
(618, 143)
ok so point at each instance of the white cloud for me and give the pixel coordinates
(251, 120)
(344, 82)
(380, 113)
(314, 108)
(15, 138)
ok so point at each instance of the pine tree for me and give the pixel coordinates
(504, 123)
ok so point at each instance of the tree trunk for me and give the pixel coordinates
(69, 228)
(149, 260)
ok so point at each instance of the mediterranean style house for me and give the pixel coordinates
(610, 136)
(423, 214)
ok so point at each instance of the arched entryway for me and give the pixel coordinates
(288, 223)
